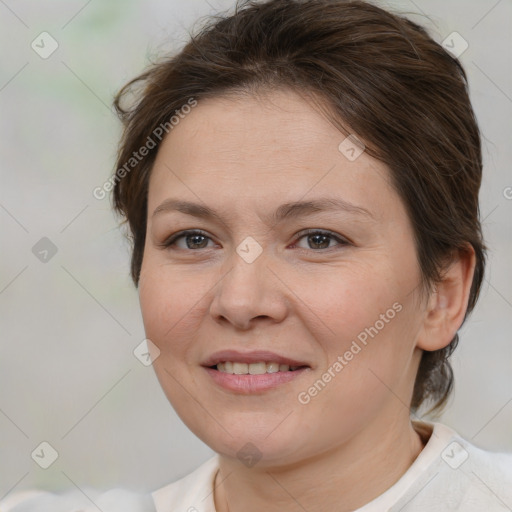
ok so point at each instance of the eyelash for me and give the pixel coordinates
(168, 243)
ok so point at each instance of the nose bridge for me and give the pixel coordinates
(248, 289)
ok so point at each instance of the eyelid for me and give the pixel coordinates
(342, 241)
(175, 236)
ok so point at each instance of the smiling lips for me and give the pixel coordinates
(252, 372)
(254, 368)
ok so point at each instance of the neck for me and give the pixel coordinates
(342, 479)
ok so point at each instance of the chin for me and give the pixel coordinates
(256, 438)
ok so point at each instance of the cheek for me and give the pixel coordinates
(368, 316)
(170, 302)
(344, 301)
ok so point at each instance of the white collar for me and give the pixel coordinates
(194, 492)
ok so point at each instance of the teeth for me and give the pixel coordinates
(272, 367)
(257, 368)
(253, 368)
(240, 368)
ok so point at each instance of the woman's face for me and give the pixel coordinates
(341, 302)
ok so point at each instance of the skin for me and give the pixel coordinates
(244, 156)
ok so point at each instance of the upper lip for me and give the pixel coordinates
(255, 356)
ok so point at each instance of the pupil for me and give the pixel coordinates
(325, 237)
(194, 240)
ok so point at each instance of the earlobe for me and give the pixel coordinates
(447, 305)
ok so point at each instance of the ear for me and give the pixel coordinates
(447, 305)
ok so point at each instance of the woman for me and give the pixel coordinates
(301, 185)
(306, 247)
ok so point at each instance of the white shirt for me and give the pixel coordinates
(450, 474)
(90, 500)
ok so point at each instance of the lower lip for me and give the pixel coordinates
(249, 384)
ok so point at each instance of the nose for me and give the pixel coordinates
(249, 293)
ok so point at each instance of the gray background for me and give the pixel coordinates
(68, 375)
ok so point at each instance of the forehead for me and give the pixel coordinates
(274, 147)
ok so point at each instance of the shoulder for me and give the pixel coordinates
(494, 468)
(469, 477)
(484, 478)
(115, 500)
(192, 493)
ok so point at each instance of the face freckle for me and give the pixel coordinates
(243, 158)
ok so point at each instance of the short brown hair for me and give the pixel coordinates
(378, 73)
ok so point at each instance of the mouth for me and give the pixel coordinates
(252, 372)
(259, 368)
(256, 362)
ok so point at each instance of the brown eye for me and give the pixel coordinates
(318, 239)
(194, 239)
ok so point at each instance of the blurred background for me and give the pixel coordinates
(70, 318)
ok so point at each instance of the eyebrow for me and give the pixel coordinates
(283, 212)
